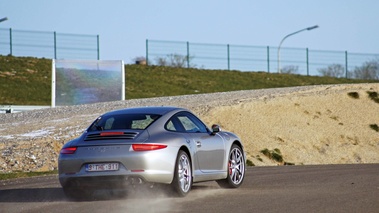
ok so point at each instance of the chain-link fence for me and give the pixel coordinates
(262, 58)
(48, 44)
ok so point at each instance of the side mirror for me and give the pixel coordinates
(215, 129)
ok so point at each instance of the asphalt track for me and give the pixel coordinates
(321, 188)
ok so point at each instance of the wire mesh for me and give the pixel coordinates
(43, 44)
(257, 58)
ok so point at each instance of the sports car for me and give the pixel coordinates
(168, 146)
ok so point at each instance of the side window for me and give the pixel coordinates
(185, 122)
(191, 123)
(188, 125)
(170, 126)
(202, 128)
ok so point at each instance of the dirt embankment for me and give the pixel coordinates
(333, 124)
(323, 125)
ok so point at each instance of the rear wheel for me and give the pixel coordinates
(236, 169)
(182, 181)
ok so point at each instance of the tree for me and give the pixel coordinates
(290, 69)
(175, 60)
(333, 70)
(368, 70)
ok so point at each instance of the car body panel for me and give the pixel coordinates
(208, 151)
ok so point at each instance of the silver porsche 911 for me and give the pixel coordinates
(150, 145)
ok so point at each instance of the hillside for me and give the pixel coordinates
(335, 124)
(27, 81)
(323, 125)
(291, 123)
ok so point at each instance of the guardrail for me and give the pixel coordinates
(19, 108)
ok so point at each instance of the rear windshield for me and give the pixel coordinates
(123, 121)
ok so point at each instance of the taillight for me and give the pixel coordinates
(147, 147)
(68, 150)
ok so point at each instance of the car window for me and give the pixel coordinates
(170, 126)
(185, 122)
(188, 125)
(123, 121)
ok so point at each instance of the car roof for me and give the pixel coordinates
(159, 110)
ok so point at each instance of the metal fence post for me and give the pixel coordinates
(147, 52)
(55, 45)
(188, 57)
(98, 47)
(346, 64)
(228, 52)
(10, 41)
(268, 59)
(307, 61)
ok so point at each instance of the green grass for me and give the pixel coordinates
(373, 96)
(249, 163)
(354, 95)
(275, 154)
(374, 127)
(5, 176)
(27, 81)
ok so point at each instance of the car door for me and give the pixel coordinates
(210, 149)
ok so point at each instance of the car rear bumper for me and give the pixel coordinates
(148, 166)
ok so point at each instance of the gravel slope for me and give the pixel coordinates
(308, 125)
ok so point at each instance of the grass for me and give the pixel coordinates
(274, 155)
(374, 127)
(27, 81)
(249, 163)
(354, 95)
(373, 96)
(5, 176)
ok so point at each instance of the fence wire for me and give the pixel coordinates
(255, 58)
(52, 45)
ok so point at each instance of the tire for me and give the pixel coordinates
(182, 182)
(235, 169)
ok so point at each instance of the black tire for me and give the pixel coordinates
(235, 168)
(182, 182)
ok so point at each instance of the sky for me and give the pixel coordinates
(124, 25)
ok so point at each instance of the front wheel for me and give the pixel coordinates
(182, 181)
(236, 169)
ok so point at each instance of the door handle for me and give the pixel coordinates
(198, 143)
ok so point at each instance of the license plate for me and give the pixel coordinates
(98, 167)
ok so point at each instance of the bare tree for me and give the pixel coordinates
(368, 70)
(290, 69)
(175, 60)
(333, 70)
(161, 62)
